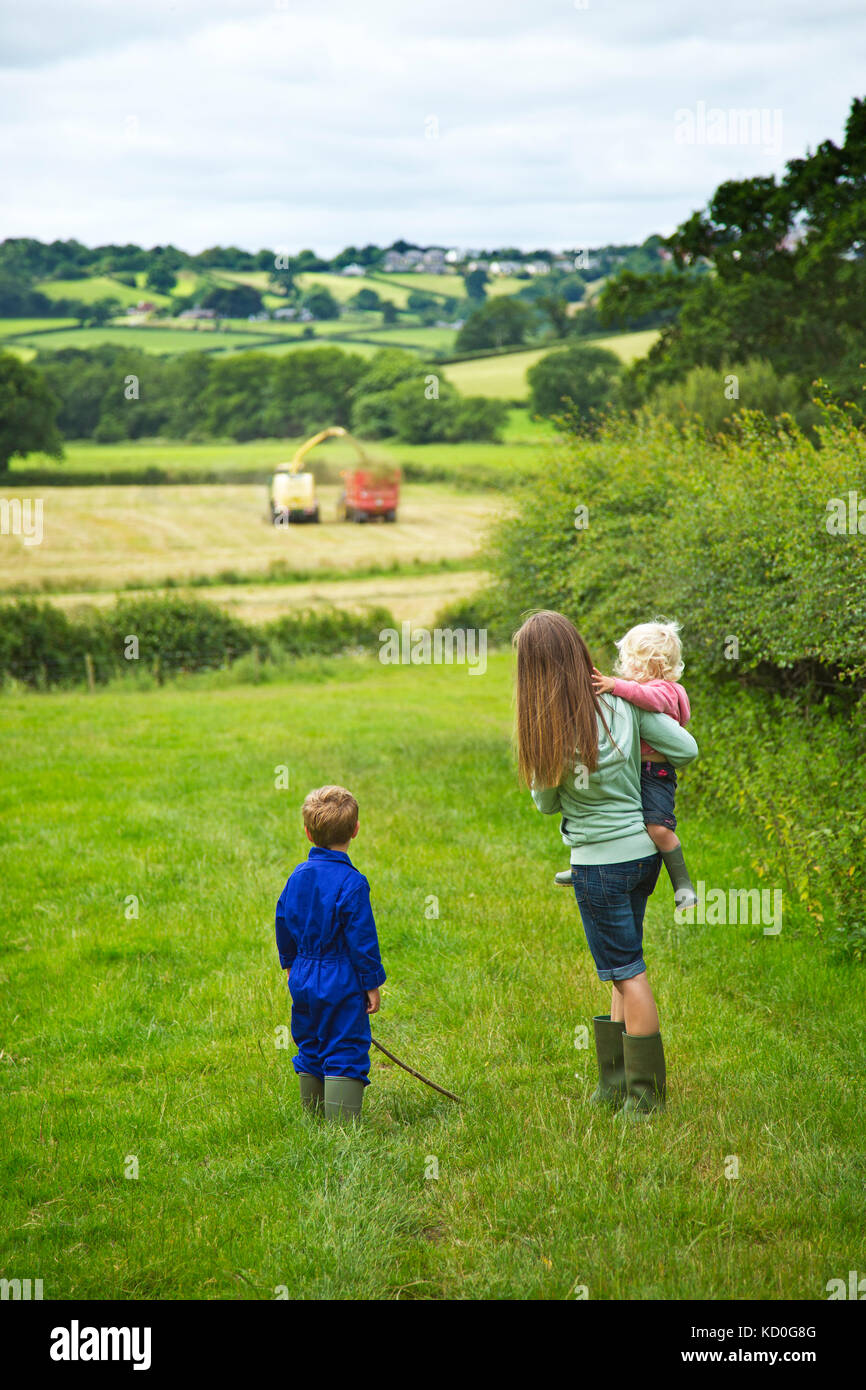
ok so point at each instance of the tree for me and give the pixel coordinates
(574, 382)
(321, 303)
(28, 412)
(475, 282)
(788, 281)
(161, 278)
(556, 309)
(425, 305)
(234, 301)
(419, 418)
(366, 300)
(101, 310)
(389, 311)
(497, 323)
(708, 394)
(308, 260)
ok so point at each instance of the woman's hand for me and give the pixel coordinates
(601, 684)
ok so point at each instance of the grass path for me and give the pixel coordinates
(415, 598)
(154, 1038)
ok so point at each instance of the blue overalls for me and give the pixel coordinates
(326, 934)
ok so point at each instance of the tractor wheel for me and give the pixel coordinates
(391, 516)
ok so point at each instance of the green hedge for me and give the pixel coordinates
(42, 646)
(732, 539)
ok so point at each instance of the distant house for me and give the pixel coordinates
(144, 306)
(285, 313)
(197, 313)
(353, 270)
(399, 260)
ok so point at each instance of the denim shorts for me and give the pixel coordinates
(658, 788)
(612, 899)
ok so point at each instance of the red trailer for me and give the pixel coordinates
(369, 493)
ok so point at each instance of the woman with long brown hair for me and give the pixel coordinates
(579, 752)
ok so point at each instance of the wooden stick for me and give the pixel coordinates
(416, 1074)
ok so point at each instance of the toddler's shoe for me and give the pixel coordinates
(564, 879)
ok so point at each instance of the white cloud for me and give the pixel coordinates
(217, 120)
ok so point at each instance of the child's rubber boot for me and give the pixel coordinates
(611, 1062)
(343, 1098)
(684, 891)
(645, 1076)
(564, 879)
(312, 1092)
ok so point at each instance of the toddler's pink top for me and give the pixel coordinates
(663, 697)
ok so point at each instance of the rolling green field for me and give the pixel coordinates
(345, 287)
(94, 287)
(154, 1145)
(504, 377)
(12, 327)
(157, 340)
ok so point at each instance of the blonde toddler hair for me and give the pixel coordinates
(650, 651)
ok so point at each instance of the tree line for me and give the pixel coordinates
(111, 393)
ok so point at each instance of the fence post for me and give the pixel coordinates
(88, 666)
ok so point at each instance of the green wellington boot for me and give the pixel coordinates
(645, 1076)
(684, 890)
(611, 1063)
(343, 1098)
(312, 1092)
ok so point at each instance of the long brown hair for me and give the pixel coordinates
(556, 704)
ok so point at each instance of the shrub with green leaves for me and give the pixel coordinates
(41, 646)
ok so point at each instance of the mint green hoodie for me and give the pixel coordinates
(603, 820)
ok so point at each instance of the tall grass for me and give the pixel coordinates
(153, 1037)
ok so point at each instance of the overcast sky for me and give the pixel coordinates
(462, 122)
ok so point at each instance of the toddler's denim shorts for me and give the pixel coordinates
(658, 788)
(612, 899)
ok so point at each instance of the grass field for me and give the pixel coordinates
(298, 344)
(524, 449)
(101, 537)
(345, 287)
(150, 1044)
(269, 337)
(504, 377)
(95, 287)
(11, 327)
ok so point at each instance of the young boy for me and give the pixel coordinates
(327, 943)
